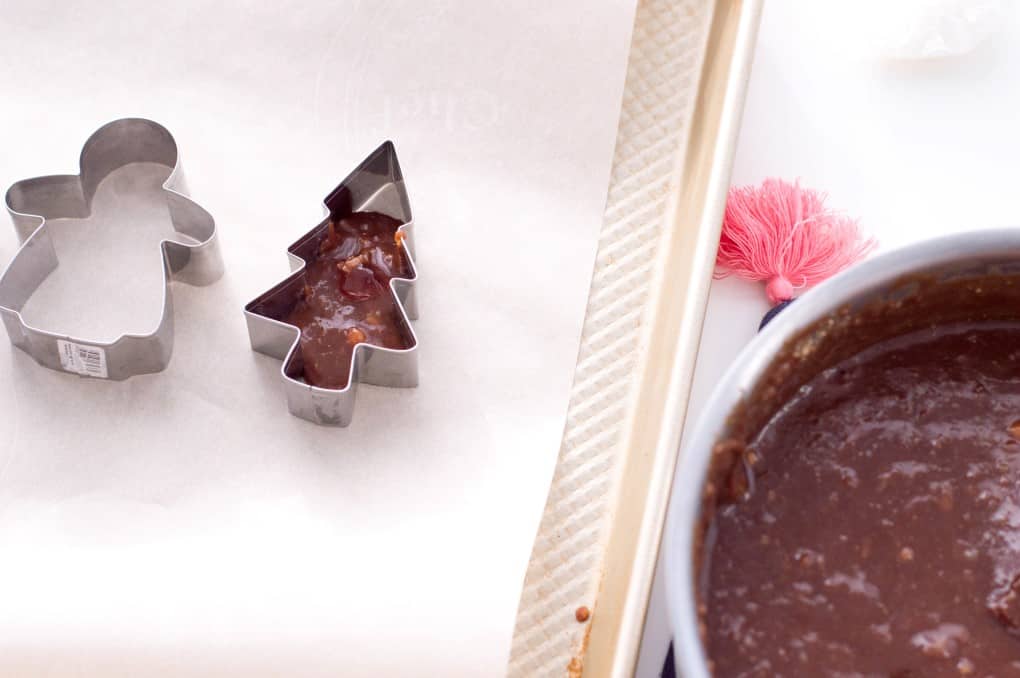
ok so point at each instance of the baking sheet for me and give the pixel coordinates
(600, 533)
(184, 523)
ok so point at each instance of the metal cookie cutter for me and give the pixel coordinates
(32, 201)
(376, 185)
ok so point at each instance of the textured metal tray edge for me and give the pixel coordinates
(640, 472)
(675, 332)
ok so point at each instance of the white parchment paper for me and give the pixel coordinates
(183, 523)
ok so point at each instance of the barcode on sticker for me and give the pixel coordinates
(88, 361)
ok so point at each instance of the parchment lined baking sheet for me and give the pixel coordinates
(183, 523)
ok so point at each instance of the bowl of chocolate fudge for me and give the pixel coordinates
(849, 502)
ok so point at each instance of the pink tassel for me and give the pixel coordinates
(785, 235)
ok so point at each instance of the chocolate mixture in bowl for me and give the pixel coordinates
(872, 526)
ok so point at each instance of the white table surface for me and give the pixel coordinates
(914, 150)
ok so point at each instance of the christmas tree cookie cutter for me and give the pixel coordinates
(376, 185)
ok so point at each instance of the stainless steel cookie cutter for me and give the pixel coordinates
(376, 185)
(32, 201)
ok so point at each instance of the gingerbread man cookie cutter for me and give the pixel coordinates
(376, 185)
(32, 202)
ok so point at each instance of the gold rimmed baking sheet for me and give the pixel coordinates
(599, 536)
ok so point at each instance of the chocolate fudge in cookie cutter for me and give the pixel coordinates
(32, 201)
(377, 185)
